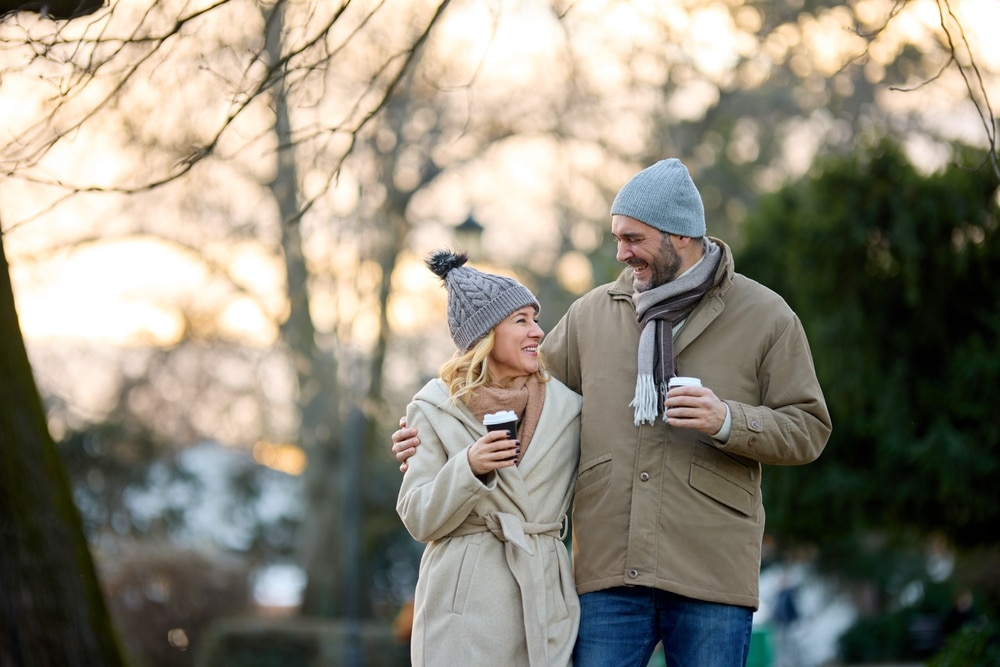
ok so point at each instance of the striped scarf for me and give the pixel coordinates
(659, 310)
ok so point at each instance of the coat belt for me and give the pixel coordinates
(518, 551)
(508, 528)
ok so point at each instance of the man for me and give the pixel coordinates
(667, 517)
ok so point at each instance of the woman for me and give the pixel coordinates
(495, 586)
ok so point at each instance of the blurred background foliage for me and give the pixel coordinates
(894, 279)
(252, 187)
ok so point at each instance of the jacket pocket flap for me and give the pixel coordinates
(721, 489)
(593, 470)
(724, 479)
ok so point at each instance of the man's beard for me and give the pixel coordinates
(664, 267)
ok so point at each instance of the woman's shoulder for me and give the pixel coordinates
(435, 393)
(557, 390)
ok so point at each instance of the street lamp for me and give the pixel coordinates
(469, 236)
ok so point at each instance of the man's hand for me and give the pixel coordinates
(404, 444)
(695, 407)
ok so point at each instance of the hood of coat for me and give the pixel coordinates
(436, 393)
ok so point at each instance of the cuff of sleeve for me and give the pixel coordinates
(727, 426)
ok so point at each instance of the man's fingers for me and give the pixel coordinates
(401, 446)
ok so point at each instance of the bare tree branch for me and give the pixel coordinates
(976, 89)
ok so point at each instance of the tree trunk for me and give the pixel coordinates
(52, 611)
(316, 372)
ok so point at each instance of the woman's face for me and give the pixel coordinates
(515, 346)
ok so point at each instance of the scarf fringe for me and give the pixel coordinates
(645, 399)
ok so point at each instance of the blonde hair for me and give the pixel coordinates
(467, 371)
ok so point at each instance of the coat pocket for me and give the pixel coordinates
(597, 469)
(466, 572)
(725, 479)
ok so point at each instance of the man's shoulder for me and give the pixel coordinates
(761, 299)
(620, 288)
(746, 286)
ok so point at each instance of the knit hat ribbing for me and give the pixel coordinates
(663, 196)
(477, 301)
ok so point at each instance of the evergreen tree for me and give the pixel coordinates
(896, 277)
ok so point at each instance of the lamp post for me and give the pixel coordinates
(469, 235)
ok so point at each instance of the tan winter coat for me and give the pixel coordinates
(672, 508)
(495, 585)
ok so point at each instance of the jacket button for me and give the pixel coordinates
(755, 424)
(751, 442)
(633, 573)
(644, 476)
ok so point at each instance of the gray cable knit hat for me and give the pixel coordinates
(663, 196)
(477, 301)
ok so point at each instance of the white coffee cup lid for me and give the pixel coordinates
(680, 381)
(502, 417)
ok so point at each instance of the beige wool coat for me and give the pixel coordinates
(495, 584)
(673, 508)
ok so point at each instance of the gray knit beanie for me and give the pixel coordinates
(477, 301)
(663, 196)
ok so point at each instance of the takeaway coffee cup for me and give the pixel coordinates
(681, 381)
(502, 421)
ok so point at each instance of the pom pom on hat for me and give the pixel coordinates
(663, 196)
(443, 261)
(477, 301)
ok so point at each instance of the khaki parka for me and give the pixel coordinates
(495, 585)
(673, 508)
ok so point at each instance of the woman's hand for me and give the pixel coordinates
(493, 451)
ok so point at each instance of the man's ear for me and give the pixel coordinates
(680, 242)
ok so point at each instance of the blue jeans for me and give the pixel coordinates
(620, 627)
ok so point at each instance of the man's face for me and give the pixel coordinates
(649, 252)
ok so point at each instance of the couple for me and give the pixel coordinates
(667, 514)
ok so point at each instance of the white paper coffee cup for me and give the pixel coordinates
(681, 381)
(502, 421)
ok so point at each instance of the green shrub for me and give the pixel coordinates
(876, 639)
(975, 645)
